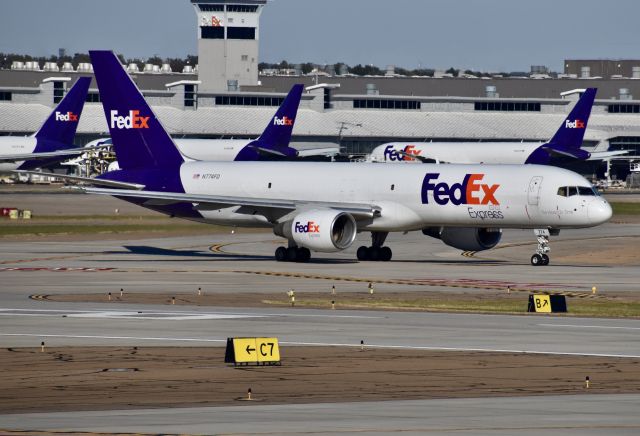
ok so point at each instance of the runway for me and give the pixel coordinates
(526, 416)
(138, 325)
(243, 263)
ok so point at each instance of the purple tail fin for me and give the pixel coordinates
(139, 139)
(61, 125)
(569, 136)
(277, 134)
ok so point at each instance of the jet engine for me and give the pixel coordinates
(320, 230)
(466, 238)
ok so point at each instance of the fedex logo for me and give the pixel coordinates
(284, 121)
(577, 124)
(470, 191)
(405, 155)
(309, 227)
(69, 116)
(131, 121)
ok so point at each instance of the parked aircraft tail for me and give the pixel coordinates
(568, 139)
(277, 134)
(60, 127)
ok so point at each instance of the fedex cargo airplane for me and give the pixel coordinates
(54, 141)
(273, 143)
(566, 142)
(322, 206)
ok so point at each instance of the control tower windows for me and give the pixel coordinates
(241, 8)
(211, 32)
(241, 33)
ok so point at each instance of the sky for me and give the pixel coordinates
(481, 35)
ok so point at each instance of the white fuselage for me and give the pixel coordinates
(410, 198)
(15, 145)
(211, 149)
(456, 152)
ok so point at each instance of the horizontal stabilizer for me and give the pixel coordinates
(45, 155)
(90, 180)
(575, 153)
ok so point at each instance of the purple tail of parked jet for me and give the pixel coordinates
(275, 139)
(277, 134)
(59, 130)
(57, 133)
(568, 138)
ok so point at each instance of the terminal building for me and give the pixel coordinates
(225, 96)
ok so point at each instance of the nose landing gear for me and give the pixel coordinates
(541, 257)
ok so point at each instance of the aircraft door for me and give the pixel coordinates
(533, 196)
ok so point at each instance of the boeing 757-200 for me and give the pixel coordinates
(565, 143)
(322, 206)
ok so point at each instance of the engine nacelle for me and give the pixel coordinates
(466, 238)
(320, 230)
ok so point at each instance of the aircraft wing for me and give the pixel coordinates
(326, 151)
(218, 201)
(600, 155)
(91, 180)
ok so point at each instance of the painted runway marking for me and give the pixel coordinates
(55, 269)
(173, 315)
(577, 326)
(331, 344)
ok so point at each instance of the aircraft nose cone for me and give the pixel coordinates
(599, 211)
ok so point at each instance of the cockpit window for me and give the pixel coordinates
(569, 191)
(583, 190)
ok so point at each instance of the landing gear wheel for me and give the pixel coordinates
(362, 253)
(281, 254)
(545, 259)
(385, 254)
(536, 260)
(374, 253)
(292, 254)
(303, 254)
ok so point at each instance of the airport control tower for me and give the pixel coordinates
(228, 33)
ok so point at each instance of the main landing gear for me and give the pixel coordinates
(376, 252)
(292, 254)
(541, 257)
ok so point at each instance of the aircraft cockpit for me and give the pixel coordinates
(570, 191)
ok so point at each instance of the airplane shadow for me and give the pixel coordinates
(157, 251)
